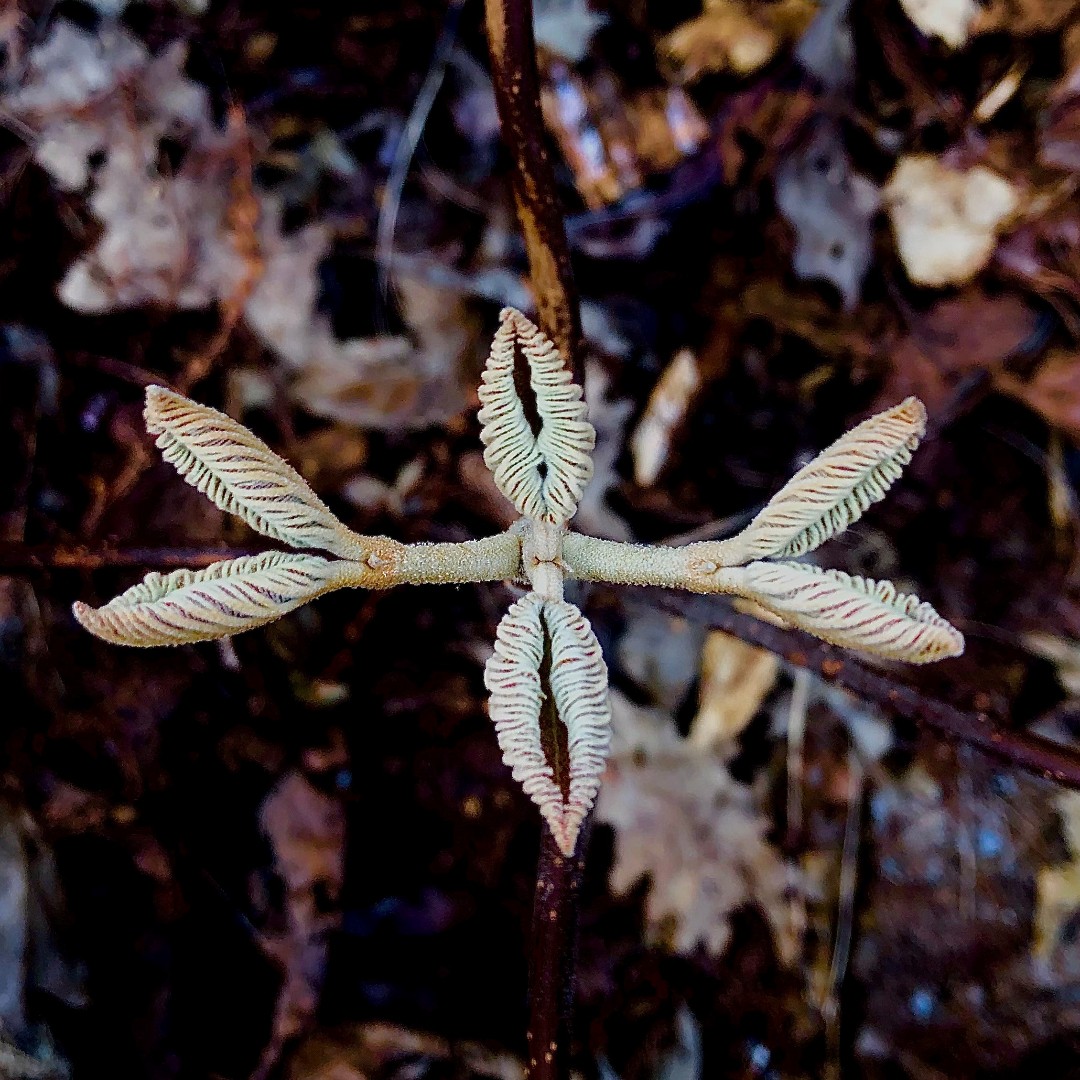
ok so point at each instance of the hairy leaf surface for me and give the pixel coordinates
(512, 676)
(579, 683)
(855, 612)
(241, 474)
(835, 489)
(543, 475)
(225, 598)
(579, 687)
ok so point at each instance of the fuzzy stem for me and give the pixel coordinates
(495, 558)
(517, 96)
(695, 567)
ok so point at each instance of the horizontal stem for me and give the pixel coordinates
(693, 567)
(495, 558)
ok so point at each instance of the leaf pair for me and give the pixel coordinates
(243, 476)
(819, 501)
(542, 474)
(577, 679)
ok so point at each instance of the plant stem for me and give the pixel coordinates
(553, 948)
(558, 879)
(517, 96)
(974, 727)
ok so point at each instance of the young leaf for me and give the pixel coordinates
(512, 676)
(579, 687)
(836, 488)
(579, 683)
(544, 475)
(242, 475)
(225, 598)
(855, 612)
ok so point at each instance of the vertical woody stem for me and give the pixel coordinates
(517, 95)
(551, 963)
(558, 880)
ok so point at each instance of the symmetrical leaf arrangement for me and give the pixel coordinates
(544, 645)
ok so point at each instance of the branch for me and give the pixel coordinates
(18, 558)
(1033, 753)
(517, 96)
(1022, 749)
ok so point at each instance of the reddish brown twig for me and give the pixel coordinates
(553, 949)
(1020, 748)
(517, 95)
(16, 558)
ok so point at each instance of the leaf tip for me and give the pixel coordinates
(158, 399)
(510, 316)
(90, 619)
(913, 412)
(83, 614)
(566, 835)
(946, 645)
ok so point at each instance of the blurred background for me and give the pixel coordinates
(297, 854)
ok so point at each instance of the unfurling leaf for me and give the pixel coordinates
(223, 599)
(242, 475)
(579, 687)
(543, 475)
(579, 683)
(512, 676)
(855, 612)
(835, 489)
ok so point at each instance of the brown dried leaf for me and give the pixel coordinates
(810, 316)
(1058, 887)
(735, 678)
(949, 20)
(970, 332)
(1053, 392)
(566, 27)
(946, 220)
(612, 136)
(164, 239)
(831, 208)
(1021, 17)
(387, 381)
(200, 234)
(1060, 134)
(666, 409)
(306, 830)
(681, 820)
(732, 35)
(381, 1051)
(724, 39)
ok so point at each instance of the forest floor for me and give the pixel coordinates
(297, 853)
